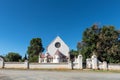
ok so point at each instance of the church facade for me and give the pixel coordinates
(56, 52)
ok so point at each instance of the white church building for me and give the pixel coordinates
(56, 52)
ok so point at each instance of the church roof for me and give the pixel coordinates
(60, 54)
(48, 55)
(42, 55)
(58, 37)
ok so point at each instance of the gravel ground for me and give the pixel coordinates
(56, 75)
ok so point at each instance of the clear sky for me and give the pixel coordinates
(22, 20)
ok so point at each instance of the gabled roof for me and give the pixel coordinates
(48, 55)
(59, 54)
(42, 55)
(58, 37)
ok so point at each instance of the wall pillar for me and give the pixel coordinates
(1, 62)
(80, 65)
(26, 64)
(94, 62)
(104, 65)
(39, 60)
(45, 60)
(88, 63)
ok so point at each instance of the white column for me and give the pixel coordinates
(39, 58)
(1, 62)
(88, 63)
(26, 64)
(104, 65)
(80, 66)
(94, 62)
(45, 60)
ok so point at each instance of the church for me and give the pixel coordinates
(56, 52)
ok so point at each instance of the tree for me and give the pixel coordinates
(13, 57)
(80, 48)
(2, 57)
(73, 54)
(109, 42)
(103, 41)
(35, 49)
(25, 58)
(90, 37)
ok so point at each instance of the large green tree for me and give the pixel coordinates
(75, 53)
(13, 57)
(103, 41)
(35, 49)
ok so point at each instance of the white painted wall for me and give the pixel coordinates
(1, 62)
(113, 66)
(23, 65)
(15, 65)
(48, 66)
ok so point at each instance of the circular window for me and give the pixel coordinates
(57, 44)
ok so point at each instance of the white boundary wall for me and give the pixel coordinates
(49, 66)
(76, 65)
(23, 65)
(14, 65)
(27, 65)
(113, 66)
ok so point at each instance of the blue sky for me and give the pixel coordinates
(22, 20)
